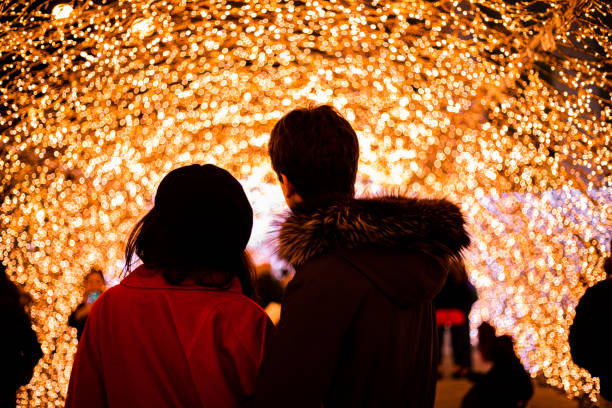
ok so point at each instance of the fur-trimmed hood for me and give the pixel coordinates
(435, 227)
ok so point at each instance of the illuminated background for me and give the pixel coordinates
(503, 107)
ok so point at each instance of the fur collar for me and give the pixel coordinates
(435, 227)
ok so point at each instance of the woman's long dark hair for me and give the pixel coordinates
(178, 255)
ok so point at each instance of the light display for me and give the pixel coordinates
(501, 106)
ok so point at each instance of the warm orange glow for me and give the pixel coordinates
(501, 111)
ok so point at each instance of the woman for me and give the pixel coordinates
(94, 286)
(181, 330)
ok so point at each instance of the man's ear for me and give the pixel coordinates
(291, 195)
(287, 186)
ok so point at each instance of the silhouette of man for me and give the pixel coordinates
(357, 324)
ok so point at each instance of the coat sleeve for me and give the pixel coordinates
(300, 360)
(86, 386)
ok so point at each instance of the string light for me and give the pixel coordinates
(143, 27)
(61, 11)
(502, 107)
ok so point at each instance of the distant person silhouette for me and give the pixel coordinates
(181, 330)
(506, 384)
(590, 336)
(269, 292)
(19, 346)
(95, 284)
(453, 305)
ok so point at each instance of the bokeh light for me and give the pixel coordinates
(503, 107)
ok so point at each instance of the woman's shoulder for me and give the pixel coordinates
(239, 303)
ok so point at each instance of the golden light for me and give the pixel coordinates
(143, 27)
(502, 108)
(61, 11)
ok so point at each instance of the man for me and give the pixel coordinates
(590, 336)
(357, 324)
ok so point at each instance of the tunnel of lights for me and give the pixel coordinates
(501, 106)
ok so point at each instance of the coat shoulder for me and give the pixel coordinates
(435, 227)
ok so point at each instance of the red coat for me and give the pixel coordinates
(150, 344)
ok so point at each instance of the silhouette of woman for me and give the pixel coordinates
(181, 329)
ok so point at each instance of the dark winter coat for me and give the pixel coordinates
(151, 344)
(357, 327)
(590, 335)
(19, 347)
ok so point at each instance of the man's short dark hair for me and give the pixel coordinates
(317, 149)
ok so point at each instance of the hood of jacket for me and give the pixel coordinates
(402, 245)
